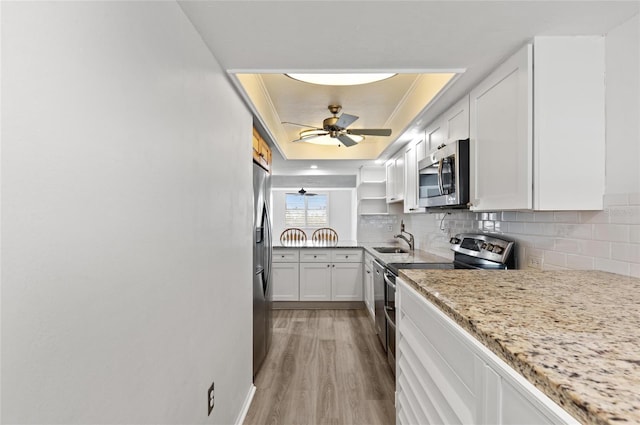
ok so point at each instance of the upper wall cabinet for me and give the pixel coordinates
(451, 125)
(395, 178)
(261, 151)
(411, 154)
(537, 128)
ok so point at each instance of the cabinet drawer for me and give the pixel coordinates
(368, 259)
(346, 255)
(286, 255)
(315, 256)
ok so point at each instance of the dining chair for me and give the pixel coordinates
(325, 234)
(293, 235)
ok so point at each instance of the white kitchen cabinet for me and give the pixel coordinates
(346, 282)
(285, 281)
(453, 124)
(315, 282)
(395, 178)
(368, 290)
(331, 275)
(456, 121)
(444, 375)
(285, 276)
(411, 176)
(435, 134)
(537, 128)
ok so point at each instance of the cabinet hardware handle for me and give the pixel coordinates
(346, 256)
(333, 265)
(328, 265)
(315, 256)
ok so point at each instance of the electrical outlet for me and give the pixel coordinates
(535, 263)
(210, 398)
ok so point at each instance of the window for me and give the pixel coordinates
(306, 211)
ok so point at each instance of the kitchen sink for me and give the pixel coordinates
(390, 250)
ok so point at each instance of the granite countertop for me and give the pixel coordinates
(312, 244)
(416, 256)
(574, 334)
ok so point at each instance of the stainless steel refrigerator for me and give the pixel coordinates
(262, 254)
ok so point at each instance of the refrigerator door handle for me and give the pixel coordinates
(268, 249)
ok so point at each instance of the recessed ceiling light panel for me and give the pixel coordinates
(340, 79)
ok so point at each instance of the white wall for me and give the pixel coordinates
(341, 211)
(126, 261)
(602, 240)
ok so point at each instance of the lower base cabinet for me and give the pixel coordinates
(284, 281)
(368, 289)
(444, 375)
(331, 282)
(320, 275)
(315, 282)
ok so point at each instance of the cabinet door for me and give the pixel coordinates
(346, 282)
(391, 176)
(434, 136)
(421, 150)
(315, 282)
(457, 120)
(501, 136)
(411, 180)
(398, 182)
(368, 291)
(285, 281)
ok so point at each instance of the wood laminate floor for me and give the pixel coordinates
(324, 367)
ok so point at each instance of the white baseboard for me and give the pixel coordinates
(246, 405)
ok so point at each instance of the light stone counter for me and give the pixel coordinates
(416, 256)
(574, 334)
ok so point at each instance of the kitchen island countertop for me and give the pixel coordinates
(574, 334)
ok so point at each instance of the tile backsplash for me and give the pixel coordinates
(378, 228)
(606, 240)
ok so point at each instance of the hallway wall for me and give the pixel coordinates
(120, 218)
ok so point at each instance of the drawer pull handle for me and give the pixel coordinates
(346, 256)
(315, 256)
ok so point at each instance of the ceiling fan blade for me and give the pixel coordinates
(306, 139)
(299, 125)
(370, 131)
(346, 140)
(345, 120)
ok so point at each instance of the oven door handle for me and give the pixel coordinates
(387, 308)
(388, 281)
(440, 180)
(389, 321)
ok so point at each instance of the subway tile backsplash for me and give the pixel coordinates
(606, 240)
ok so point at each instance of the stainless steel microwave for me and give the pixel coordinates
(443, 179)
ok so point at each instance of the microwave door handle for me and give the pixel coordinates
(440, 181)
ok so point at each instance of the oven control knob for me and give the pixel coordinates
(484, 245)
(489, 247)
(454, 240)
(498, 249)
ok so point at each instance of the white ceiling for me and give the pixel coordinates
(403, 36)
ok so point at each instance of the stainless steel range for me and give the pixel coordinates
(471, 251)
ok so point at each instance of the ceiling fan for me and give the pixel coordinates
(303, 192)
(336, 127)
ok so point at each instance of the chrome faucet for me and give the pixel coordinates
(408, 240)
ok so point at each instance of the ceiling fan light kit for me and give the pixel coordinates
(335, 127)
(341, 79)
